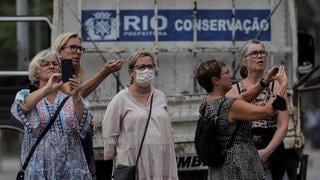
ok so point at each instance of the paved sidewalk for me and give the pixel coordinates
(8, 169)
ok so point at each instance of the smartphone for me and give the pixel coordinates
(275, 71)
(67, 69)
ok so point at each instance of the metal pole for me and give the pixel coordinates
(156, 44)
(38, 35)
(195, 40)
(233, 35)
(22, 36)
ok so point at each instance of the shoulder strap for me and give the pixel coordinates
(43, 133)
(233, 135)
(218, 112)
(238, 87)
(145, 131)
(272, 86)
(203, 110)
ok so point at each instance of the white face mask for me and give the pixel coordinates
(144, 77)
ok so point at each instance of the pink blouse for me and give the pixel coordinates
(123, 127)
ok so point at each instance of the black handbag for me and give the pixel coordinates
(20, 175)
(124, 172)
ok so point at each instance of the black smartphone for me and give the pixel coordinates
(275, 71)
(67, 69)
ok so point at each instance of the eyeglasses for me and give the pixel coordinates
(74, 48)
(144, 66)
(254, 54)
(47, 63)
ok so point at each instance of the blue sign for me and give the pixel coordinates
(175, 25)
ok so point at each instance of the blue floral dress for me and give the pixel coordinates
(59, 155)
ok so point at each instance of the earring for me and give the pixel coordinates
(244, 71)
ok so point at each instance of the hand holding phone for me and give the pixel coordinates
(67, 69)
(275, 71)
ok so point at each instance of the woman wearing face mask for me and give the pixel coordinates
(125, 120)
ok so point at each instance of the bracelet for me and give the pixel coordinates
(279, 104)
(262, 84)
(78, 99)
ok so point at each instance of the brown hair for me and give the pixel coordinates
(207, 70)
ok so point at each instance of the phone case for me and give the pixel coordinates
(66, 69)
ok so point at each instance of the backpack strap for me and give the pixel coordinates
(233, 135)
(218, 112)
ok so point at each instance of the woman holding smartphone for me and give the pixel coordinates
(69, 46)
(59, 154)
(268, 133)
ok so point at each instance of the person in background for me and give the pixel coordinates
(69, 46)
(125, 120)
(59, 154)
(268, 134)
(242, 161)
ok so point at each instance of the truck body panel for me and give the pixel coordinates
(181, 34)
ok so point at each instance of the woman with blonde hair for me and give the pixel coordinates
(69, 46)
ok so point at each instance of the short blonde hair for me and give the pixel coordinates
(35, 64)
(134, 58)
(59, 44)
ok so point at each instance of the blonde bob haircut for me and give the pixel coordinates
(60, 42)
(134, 58)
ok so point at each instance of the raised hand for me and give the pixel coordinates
(281, 76)
(113, 65)
(74, 86)
(271, 75)
(53, 83)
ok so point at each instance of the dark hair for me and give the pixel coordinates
(207, 70)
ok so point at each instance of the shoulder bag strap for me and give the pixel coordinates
(218, 112)
(145, 131)
(233, 135)
(238, 87)
(43, 133)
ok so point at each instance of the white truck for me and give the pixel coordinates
(181, 34)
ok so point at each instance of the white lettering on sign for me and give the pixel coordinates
(136, 24)
(246, 25)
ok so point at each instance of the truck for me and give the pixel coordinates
(181, 34)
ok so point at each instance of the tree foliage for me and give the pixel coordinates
(8, 37)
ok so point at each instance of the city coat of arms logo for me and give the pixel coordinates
(101, 26)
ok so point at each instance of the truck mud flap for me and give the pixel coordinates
(302, 174)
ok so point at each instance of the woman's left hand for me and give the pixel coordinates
(74, 86)
(113, 65)
(271, 75)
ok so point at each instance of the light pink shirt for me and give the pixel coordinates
(123, 126)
